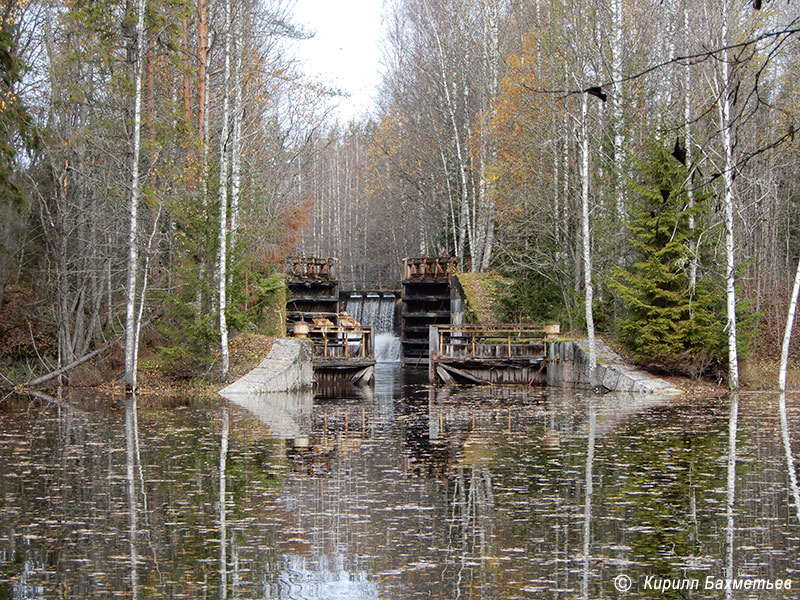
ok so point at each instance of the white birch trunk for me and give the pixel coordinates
(564, 217)
(145, 275)
(617, 110)
(730, 266)
(478, 209)
(131, 343)
(236, 143)
(787, 333)
(587, 246)
(671, 48)
(423, 247)
(464, 160)
(464, 229)
(205, 128)
(556, 183)
(450, 205)
(493, 76)
(687, 120)
(489, 243)
(223, 199)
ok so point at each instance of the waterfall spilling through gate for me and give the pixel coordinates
(377, 311)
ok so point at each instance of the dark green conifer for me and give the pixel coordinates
(668, 325)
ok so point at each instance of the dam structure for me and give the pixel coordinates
(352, 331)
(425, 302)
(378, 310)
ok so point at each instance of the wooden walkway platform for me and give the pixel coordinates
(345, 350)
(487, 354)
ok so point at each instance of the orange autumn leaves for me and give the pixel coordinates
(522, 125)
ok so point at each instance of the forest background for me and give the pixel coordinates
(621, 163)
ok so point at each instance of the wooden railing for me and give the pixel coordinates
(433, 267)
(490, 342)
(342, 342)
(312, 267)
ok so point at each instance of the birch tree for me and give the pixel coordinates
(131, 326)
(687, 130)
(724, 105)
(588, 287)
(236, 142)
(787, 334)
(794, 489)
(617, 107)
(449, 86)
(222, 276)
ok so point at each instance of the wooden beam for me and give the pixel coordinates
(451, 371)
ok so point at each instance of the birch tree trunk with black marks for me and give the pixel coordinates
(724, 105)
(236, 141)
(586, 228)
(223, 199)
(787, 333)
(617, 108)
(131, 330)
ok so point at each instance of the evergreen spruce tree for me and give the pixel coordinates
(668, 325)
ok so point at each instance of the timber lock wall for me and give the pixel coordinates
(425, 302)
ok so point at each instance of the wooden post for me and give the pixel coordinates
(434, 351)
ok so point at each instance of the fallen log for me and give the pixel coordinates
(65, 369)
(76, 363)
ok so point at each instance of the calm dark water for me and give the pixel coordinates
(401, 493)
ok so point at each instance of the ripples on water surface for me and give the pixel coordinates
(401, 493)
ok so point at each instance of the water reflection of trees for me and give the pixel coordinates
(588, 489)
(794, 491)
(470, 528)
(514, 493)
(101, 511)
(733, 428)
(131, 455)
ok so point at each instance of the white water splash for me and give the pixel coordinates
(387, 348)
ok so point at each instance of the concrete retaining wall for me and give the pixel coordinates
(569, 366)
(287, 368)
